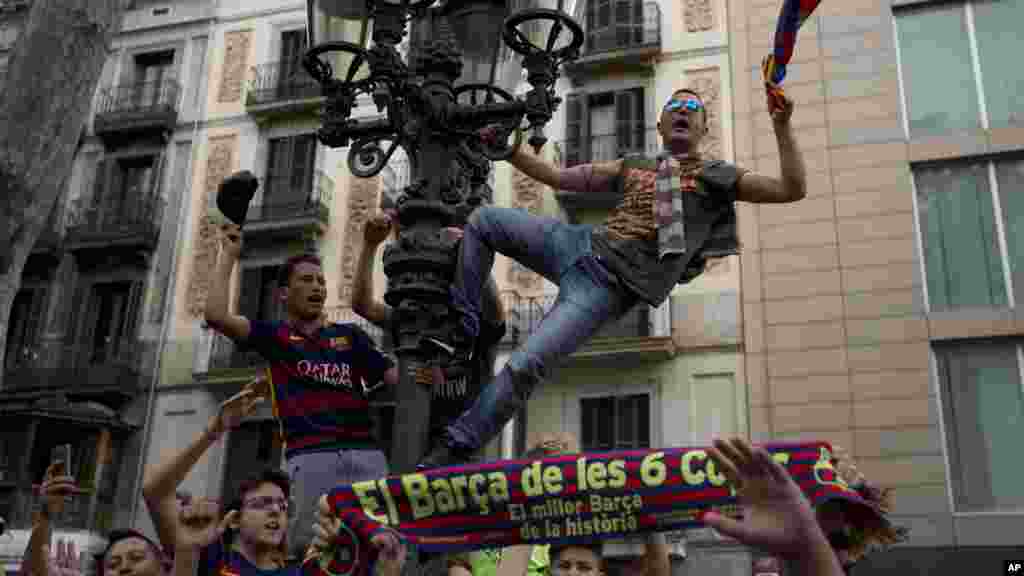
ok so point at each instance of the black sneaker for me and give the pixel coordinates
(443, 455)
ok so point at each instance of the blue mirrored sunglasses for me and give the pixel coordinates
(689, 103)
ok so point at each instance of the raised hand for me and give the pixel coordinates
(326, 526)
(201, 524)
(231, 240)
(779, 519)
(377, 229)
(55, 489)
(392, 553)
(235, 409)
(780, 106)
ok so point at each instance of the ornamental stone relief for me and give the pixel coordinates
(236, 55)
(699, 15)
(707, 83)
(362, 198)
(527, 194)
(219, 165)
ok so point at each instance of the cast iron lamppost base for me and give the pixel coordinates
(437, 122)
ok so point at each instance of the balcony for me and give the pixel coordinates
(287, 210)
(279, 89)
(135, 223)
(51, 238)
(629, 42)
(111, 376)
(601, 148)
(137, 110)
(642, 331)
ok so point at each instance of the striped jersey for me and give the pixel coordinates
(321, 384)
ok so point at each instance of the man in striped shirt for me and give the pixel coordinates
(321, 378)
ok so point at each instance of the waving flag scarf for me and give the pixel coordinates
(793, 14)
(564, 499)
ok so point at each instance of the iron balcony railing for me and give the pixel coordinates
(284, 200)
(608, 146)
(630, 25)
(135, 219)
(158, 96)
(280, 82)
(117, 365)
(524, 314)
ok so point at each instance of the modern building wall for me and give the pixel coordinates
(880, 312)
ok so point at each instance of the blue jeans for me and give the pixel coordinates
(589, 296)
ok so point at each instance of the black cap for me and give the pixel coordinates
(234, 195)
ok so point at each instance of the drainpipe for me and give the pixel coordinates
(169, 300)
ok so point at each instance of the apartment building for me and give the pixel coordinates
(882, 312)
(88, 322)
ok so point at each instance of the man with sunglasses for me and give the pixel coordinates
(675, 211)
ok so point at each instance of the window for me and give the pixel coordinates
(152, 73)
(619, 422)
(292, 81)
(290, 164)
(606, 126)
(258, 297)
(109, 327)
(972, 232)
(982, 394)
(124, 189)
(946, 98)
(24, 326)
(607, 30)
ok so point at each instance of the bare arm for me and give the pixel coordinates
(37, 554)
(792, 186)
(582, 178)
(363, 302)
(162, 480)
(217, 314)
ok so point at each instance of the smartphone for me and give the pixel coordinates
(61, 454)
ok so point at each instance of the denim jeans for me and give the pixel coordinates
(316, 474)
(589, 296)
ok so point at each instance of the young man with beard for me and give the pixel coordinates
(676, 211)
(452, 390)
(321, 378)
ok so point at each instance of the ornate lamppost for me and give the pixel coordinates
(432, 104)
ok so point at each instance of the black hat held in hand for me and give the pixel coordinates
(234, 195)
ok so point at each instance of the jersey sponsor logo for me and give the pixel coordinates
(331, 373)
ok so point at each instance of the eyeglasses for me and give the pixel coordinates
(691, 104)
(268, 503)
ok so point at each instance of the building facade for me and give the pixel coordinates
(881, 312)
(88, 323)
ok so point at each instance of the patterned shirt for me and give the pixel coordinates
(321, 384)
(219, 559)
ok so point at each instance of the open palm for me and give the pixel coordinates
(241, 405)
(778, 518)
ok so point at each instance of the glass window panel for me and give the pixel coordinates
(938, 77)
(1010, 177)
(961, 251)
(984, 404)
(997, 25)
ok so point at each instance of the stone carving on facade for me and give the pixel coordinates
(362, 198)
(527, 194)
(219, 165)
(236, 56)
(707, 83)
(699, 15)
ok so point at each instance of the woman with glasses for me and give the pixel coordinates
(675, 210)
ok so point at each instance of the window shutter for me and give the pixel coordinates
(577, 143)
(629, 121)
(304, 157)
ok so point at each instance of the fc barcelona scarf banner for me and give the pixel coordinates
(558, 499)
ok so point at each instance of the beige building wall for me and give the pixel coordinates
(837, 335)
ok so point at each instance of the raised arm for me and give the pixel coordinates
(597, 177)
(53, 491)
(161, 481)
(792, 185)
(217, 313)
(363, 302)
